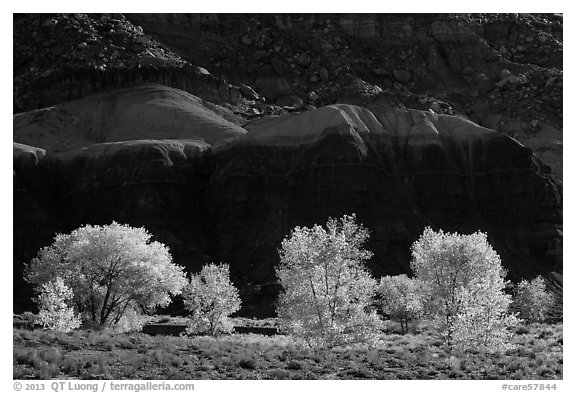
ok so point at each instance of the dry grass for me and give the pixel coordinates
(94, 355)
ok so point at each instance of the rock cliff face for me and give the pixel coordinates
(503, 71)
(63, 57)
(134, 155)
(156, 184)
(301, 117)
(398, 170)
(233, 196)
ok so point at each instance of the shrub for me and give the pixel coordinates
(533, 300)
(54, 301)
(131, 321)
(110, 269)
(398, 296)
(211, 298)
(327, 290)
(294, 365)
(249, 364)
(278, 374)
(521, 329)
(465, 280)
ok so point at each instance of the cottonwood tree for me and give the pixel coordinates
(400, 298)
(56, 311)
(211, 298)
(465, 279)
(327, 290)
(482, 321)
(533, 300)
(110, 269)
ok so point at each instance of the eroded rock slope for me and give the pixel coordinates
(215, 191)
(221, 132)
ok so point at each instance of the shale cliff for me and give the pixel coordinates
(405, 120)
(503, 71)
(219, 192)
(398, 170)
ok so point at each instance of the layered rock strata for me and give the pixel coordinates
(212, 190)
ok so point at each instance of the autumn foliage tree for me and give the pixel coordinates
(55, 302)
(211, 298)
(465, 280)
(110, 270)
(533, 300)
(400, 298)
(327, 291)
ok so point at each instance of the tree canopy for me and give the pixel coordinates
(400, 298)
(110, 269)
(327, 290)
(465, 282)
(211, 298)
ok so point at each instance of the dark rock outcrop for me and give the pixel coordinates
(156, 184)
(503, 71)
(179, 122)
(63, 57)
(398, 170)
(94, 167)
(447, 63)
(35, 223)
